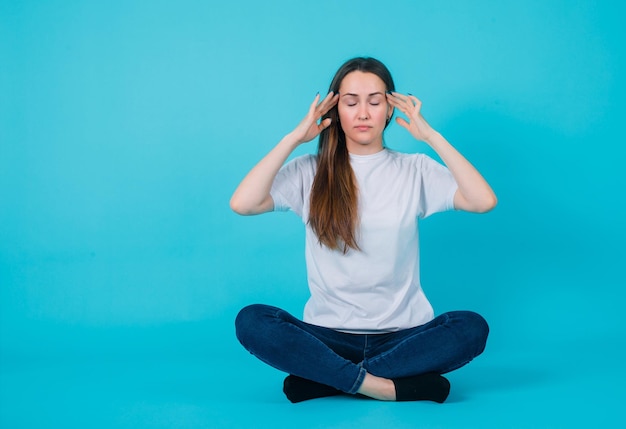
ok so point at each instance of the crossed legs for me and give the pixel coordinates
(403, 365)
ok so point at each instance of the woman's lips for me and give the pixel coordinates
(362, 127)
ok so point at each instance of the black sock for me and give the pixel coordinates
(298, 389)
(424, 387)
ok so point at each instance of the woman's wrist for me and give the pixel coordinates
(433, 138)
(291, 140)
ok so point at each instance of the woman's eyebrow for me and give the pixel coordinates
(350, 94)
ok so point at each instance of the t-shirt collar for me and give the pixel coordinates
(368, 158)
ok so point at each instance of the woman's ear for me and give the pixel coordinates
(389, 116)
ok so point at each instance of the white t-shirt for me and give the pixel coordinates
(376, 289)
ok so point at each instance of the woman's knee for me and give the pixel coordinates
(250, 320)
(480, 330)
(475, 328)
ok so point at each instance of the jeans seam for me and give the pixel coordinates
(362, 372)
(404, 342)
(365, 348)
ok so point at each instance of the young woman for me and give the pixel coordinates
(368, 328)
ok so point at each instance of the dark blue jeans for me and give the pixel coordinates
(341, 360)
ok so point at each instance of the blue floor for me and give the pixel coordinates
(160, 377)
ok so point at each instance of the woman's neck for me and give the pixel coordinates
(364, 149)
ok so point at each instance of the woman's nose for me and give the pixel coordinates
(363, 113)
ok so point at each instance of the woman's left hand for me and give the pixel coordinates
(411, 107)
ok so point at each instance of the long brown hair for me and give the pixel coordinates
(333, 214)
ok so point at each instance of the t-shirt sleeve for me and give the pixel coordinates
(288, 189)
(437, 187)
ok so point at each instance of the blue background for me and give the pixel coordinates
(126, 125)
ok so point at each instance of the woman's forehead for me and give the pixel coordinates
(361, 83)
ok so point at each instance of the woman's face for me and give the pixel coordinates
(363, 112)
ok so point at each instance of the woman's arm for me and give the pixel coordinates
(474, 193)
(252, 196)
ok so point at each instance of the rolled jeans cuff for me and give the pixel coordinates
(359, 380)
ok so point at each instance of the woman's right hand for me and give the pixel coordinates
(309, 128)
(252, 196)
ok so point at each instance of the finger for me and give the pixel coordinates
(402, 106)
(399, 100)
(328, 103)
(393, 100)
(409, 99)
(325, 99)
(313, 105)
(324, 124)
(416, 101)
(398, 95)
(329, 96)
(402, 122)
(330, 100)
(409, 105)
